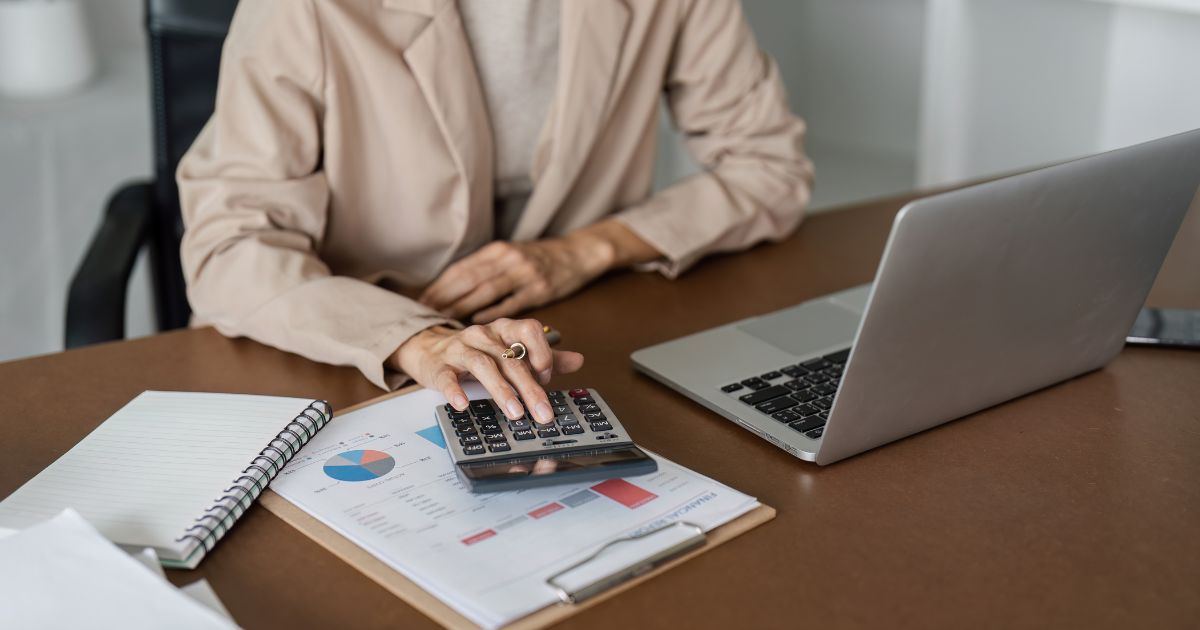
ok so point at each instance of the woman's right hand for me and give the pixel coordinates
(438, 357)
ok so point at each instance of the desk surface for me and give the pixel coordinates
(1074, 506)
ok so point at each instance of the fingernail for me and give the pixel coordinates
(543, 413)
(460, 402)
(514, 409)
(544, 377)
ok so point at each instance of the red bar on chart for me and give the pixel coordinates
(625, 493)
(483, 535)
(546, 510)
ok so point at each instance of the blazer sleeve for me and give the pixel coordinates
(727, 98)
(255, 207)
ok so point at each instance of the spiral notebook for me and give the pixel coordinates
(172, 470)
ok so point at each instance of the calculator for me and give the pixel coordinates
(585, 442)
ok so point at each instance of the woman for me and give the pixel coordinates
(377, 169)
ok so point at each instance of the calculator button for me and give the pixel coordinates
(776, 404)
(601, 426)
(589, 408)
(548, 432)
(489, 427)
(764, 395)
(494, 438)
(523, 434)
(556, 395)
(517, 425)
(578, 393)
(449, 408)
(485, 417)
(561, 409)
(797, 385)
(473, 449)
(755, 383)
(787, 415)
(594, 417)
(808, 424)
(468, 440)
(585, 400)
(459, 415)
(461, 424)
(732, 387)
(464, 432)
(770, 376)
(482, 406)
(572, 429)
(499, 447)
(566, 419)
(815, 364)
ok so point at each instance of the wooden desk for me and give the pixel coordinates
(1077, 506)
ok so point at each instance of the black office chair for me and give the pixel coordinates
(185, 38)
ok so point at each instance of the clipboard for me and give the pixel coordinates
(571, 601)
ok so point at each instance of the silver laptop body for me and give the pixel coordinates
(982, 295)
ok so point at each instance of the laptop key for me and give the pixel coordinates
(808, 424)
(770, 376)
(806, 410)
(797, 385)
(794, 371)
(756, 383)
(838, 358)
(775, 391)
(803, 397)
(776, 404)
(816, 433)
(785, 416)
(824, 389)
(823, 404)
(732, 387)
(815, 364)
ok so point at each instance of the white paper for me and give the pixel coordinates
(487, 555)
(63, 574)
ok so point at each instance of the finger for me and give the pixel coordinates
(566, 361)
(459, 279)
(517, 372)
(481, 296)
(485, 370)
(511, 305)
(544, 466)
(531, 333)
(446, 381)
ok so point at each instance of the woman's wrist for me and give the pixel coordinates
(609, 245)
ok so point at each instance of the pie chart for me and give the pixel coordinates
(362, 465)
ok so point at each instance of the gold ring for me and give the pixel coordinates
(515, 351)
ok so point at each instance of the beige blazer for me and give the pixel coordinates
(349, 159)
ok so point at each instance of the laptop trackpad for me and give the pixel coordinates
(806, 328)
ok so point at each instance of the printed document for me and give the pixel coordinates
(485, 555)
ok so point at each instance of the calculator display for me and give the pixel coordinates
(611, 460)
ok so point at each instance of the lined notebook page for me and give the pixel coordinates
(145, 474)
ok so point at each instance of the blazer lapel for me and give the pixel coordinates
(592, 37)
(441, 61)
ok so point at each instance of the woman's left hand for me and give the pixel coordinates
(503, 278)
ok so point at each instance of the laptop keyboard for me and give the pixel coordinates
(799, 396)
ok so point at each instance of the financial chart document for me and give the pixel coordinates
(381, 477)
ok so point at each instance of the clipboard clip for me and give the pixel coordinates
(630, 571)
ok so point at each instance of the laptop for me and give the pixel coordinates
(983, 294)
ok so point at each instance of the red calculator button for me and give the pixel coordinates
(578, 393)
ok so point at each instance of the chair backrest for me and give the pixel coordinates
(185, 39)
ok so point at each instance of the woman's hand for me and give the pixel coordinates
(438, 357)
(503, 278)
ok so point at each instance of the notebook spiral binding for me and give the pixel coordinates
(255, 478)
